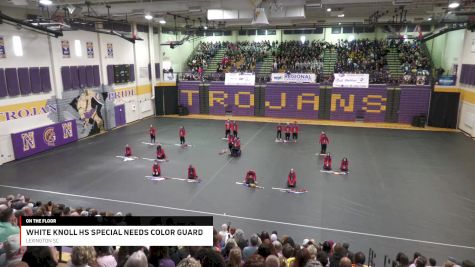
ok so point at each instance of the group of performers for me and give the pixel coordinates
(288, 129)
(156, 171)
(234, 144)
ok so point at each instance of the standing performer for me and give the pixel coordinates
(182, 134)
(192, 173)
(287, 132)
(324, 141)
(227, 125)
(295, 131)
(230, 142)
(161, 153)
(128, 151)
(327, 162)
(231, 127)
(152, 131)
(236, 150)
(251, 178)
(156, 169)
(279, 131)
(344, 165)
(292, 178)
(235, 129)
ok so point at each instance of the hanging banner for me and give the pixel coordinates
(350, 80)
(169, 77)
(90, 50)
(240, 79)
(65, 48)
(293, 77)
(447, 80)
(2, 48)
(110, 51)
(41, 139)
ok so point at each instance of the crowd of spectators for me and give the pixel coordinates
(295, 56)
(201, 58)
(415, 61)
(231, 247)
(245, 52)
(363, 56)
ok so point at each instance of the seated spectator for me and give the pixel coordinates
(252, 248)
(82, 257)
(189, 262)
(255, 260)
(40, 256)
(138, 259)
(345, 262)
(104, 257)
(235, 258)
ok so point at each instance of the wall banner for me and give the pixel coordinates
(350, 80)
(45, 138)
(110, 51)
(240, 79)
(65, 48)
(294, 77)
(90, 50)
(2, 48)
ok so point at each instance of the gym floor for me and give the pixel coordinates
(406, 191)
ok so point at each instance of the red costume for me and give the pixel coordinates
(156, 169)
(237, 143)
(292, 179)
(251, 177)
(192, 173)
(324, 139)
(227, 125)
(128, 151)
(344, 165)
(279, 127)
(231, 126)
(327, 162)
(287, 129)
(161, 153)
(235, 126)
(152, 131)
(295, 128)
(182, 132)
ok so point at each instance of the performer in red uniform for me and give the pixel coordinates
(236, 150)
(182, 134)
(192, 173)
(292, 178)
(235, 129)
(156, 169)
(344, 165)
(324, 141)
(161, 153)
(279, 131)
(152, 131)
(227, 125)
(295, 131)
(128, 151)
(327, 162)
(251, 178)
(287, 132)
(230, 142)
(231, 127)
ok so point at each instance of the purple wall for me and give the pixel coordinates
(370, 103)
(41, 139)
(294, 93)
(222, 98)
(189, 92)
(414, 102)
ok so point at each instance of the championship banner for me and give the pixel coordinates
(2, 48)
(294, 77)
(110, 51)
(90, 50)
(350, 80)
(240, 79)
(117, 231)
(41, 139)
(65, 49)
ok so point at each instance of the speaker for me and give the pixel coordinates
(419, 121)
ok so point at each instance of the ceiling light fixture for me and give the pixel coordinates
(46, 2)
(162, 21)
(341, 15)
(329, 10)
(429, 19)
(339, 23)
(454, 4)
(148, 17)
(205, 27)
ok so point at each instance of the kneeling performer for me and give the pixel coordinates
(344, 165)
(156, 169)
(251, 178)
(327, 162)
(292, 178)
(128, 151)
(160, 153)
(192, 173)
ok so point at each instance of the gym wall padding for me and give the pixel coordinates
(444, 110)
(378, 103)
(166, 100)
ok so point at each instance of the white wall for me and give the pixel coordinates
(467, 107)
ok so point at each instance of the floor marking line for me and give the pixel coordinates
(243, 218)
(208, 181)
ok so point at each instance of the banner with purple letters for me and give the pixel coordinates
(28, 143)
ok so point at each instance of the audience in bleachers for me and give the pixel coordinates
(231, 248)
(295, 56)
(415, 61)
(244, 56)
